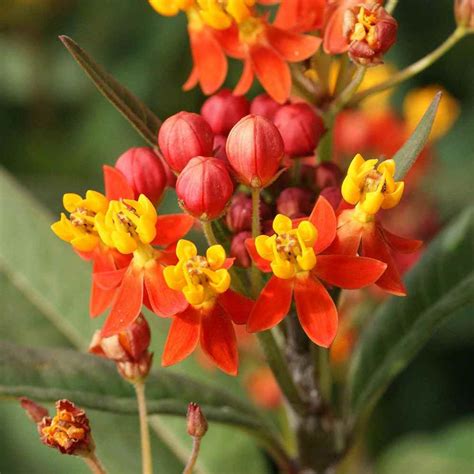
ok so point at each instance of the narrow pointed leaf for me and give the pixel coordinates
(407, 155)
(133, 109)
(439, 287)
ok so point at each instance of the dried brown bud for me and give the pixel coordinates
(34, 411)
(128, 349)
(464, 12)
(68, 431)
(197, 423)
(370, 32)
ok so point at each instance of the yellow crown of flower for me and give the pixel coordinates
(371, 188)
(289, 250)
(79, 229)
(200, 279)
(171, 7)
(127, 224)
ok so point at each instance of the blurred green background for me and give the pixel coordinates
(56, 131)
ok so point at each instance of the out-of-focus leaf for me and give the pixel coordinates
(132, 108)
(440, 286)
(409, 152)
(449, 451)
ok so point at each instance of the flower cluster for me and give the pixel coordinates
(238, 29)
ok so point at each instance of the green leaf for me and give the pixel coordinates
(440, 286)
(407, 155)
(133, 109)
(48, 374)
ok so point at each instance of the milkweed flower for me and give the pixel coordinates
(364, 29)
(294, 255)
(211, 307)
(134, 228)
(80, 230)
(232, 27)
(370, 187)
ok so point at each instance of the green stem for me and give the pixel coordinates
(209, 233)
(346, 71)
(194, 455)
(325, 147)
(415, 68)
(94, 464)
(280, 370)
(391, 5)
(346, 95)
(325, 375)
(256, 230)
(147, 465)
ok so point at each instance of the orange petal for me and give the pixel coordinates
(164, 301)
(272, 305)
(348, 272)
(109, 280)
(334, 41)
(316, 311)
(272, 72)
(237, 306)
(300, 15)
(209, 59)
(347, 241)
(401, 244)
(116, 185)
(218, 340)
(183, 337)
(374, 246)
(192, 80)
(172, 227)
(246, 79)
(261, 263)
(324, 219)
(292, 46)
(128, 302)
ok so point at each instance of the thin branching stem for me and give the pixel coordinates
(147, 464)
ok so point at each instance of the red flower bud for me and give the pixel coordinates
(333, 195)
(370, 32)
(239, 215)
(144, 171)
(197, 423)
(34, 411)
(327, 174)
(300, 127)
(295, 202)
(128, 349)
(68, 431)
(184, 136)
(238, 250)
(255, 150)
(265, 106)
(464, 12)
(223, 110)
(204, 188)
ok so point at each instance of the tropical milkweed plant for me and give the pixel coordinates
(311, 287)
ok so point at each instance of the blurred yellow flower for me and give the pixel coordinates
(418, 100)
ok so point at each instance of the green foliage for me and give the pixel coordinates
(405, 157)
(134, 110)
(439, 287)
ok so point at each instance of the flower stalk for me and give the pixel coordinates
(413, 69)
(93, 463)
(189, 468)
(147, 463)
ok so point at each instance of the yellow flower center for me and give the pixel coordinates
(250, 30)
(200, 278)
(79, 229)
(127, 224)
(289, 250)
(370, 188)
(171, 7)
(220, 14)
(365, 29)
